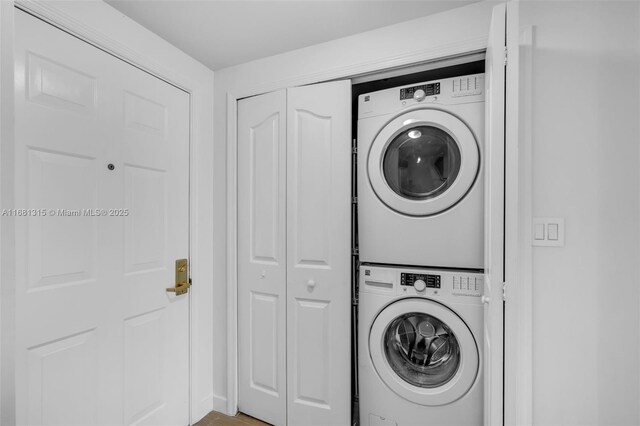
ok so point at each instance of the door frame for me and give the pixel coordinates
(518, 403)
(103, 27)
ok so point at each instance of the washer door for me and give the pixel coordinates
(424, 352)
(423, 162)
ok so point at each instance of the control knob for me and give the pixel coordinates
(419, 95)
(419, 285)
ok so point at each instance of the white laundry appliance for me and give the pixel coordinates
(420, 340)
(420, 174)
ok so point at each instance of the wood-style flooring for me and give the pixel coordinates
(218, 419)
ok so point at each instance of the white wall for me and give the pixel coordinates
(585, 168)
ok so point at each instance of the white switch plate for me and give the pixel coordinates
(549, 226)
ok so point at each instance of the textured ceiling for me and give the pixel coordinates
(225, 33)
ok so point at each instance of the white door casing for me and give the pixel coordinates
(319, 254)
(494, 219)
(262, 155)
(98, 338)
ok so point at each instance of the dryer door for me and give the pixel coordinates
(423, 162)
(424, 352)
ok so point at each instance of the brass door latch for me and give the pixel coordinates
(182, 278)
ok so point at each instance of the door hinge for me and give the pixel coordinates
(504, 291)
(355, 251)
(354, 301)
(354, 200)
(505, 56)
(354, 149)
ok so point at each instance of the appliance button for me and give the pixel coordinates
(420, 285)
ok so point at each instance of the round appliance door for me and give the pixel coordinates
(424, 352)
(423, 162)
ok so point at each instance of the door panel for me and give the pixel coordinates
(60, 255)
(310, 328)
(61, 373)
(319, 253)
(261, 257)
(494, 220)
(310, 170)
(264, 145)
(60, 86)
(143, 366)
(263, 342)
(145, 245)
(99, 339)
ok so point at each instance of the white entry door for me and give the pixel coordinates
(102, 159)
(294, 255)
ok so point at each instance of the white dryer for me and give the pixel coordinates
(419, 356)
(420, 174)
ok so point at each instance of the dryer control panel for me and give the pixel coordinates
(429, 90)
(432, 281)
(449, 91)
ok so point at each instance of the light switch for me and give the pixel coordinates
(548, 231)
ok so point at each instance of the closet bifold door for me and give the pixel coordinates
(319, 254)
(262, 257)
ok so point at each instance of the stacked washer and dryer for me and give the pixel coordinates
(421, 240)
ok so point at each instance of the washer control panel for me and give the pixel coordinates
(431, 281)
(441, 284)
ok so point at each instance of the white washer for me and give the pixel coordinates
(420, 175)
(420, 340)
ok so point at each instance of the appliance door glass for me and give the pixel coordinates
(421, 162)
(422, 350)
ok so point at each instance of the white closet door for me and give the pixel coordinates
(319, 254)
(99, 340)
(262, 257)
(494, 219)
